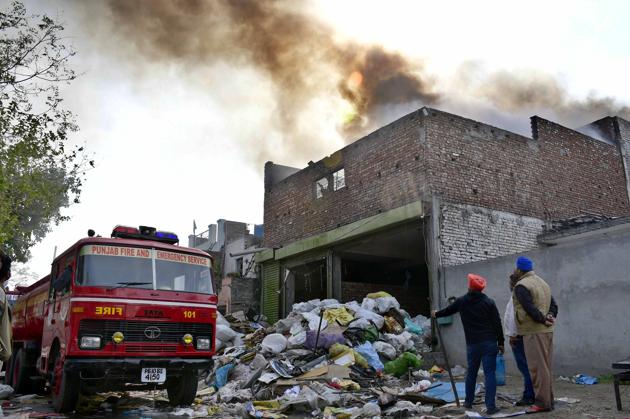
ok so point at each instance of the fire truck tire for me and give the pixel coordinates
(20, 373)
(8, 372)
(182, 392)
(65, 389)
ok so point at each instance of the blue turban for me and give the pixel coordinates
(524, 264)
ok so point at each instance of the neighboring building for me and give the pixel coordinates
(236, 273)
(397, 209)
(586, 264)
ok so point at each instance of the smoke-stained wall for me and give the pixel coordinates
(558, 173)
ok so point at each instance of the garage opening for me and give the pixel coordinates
(305, 282)
(394, 261)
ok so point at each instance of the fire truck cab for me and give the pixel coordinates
(133, 311)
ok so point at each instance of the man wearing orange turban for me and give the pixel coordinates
(484, 338)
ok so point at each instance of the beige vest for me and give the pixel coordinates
(6, 335)
(541, 295)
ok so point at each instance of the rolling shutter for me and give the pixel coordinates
(270, 286)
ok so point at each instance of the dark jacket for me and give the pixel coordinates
(524, 297)
(480, 317)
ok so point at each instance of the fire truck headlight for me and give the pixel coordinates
(118, 337)
(187, 339)
(203, 344)
(90, 342)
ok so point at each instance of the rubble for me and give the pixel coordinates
(324, 359)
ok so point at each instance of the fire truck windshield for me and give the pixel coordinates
(155, 269)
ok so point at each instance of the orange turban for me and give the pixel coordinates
(476, 282)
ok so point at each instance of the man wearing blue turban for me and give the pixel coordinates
(535, 312)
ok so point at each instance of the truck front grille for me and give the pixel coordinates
(134, 348)
(143, 331)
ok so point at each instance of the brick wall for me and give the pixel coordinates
(470, 234)
(623, 136)
(383, 171)
(577, 173)
(557, 173)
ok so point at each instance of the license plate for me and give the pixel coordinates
(153, 375)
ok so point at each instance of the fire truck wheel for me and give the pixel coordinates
(182, 392)
(64, 388)
(20, 373)
(8, 372)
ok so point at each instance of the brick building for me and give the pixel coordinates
(431, 190)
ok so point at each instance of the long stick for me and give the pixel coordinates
(448, 365)
(319, 328)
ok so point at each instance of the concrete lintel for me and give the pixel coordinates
(618, 225)
(265, 255)
(353, 230)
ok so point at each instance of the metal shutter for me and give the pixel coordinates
(270, 286)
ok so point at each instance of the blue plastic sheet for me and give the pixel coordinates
(500, 371)
(444, 391)
(221, 376)
(585, 379)
(367, 351)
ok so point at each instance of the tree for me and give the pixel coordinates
(40, 171)
(21, 275)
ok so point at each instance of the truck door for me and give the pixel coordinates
(57, 307)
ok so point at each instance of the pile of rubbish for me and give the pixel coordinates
(325, 359)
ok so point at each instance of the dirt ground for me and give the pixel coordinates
(595, 401)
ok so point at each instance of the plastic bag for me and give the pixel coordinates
(221, 375)
(392, 325)
(585, 379)
(369, 410)
(402, 342)
(338, 350)
(313, 321)
(326, 339)
(367, 351)
(360, 323)
(338, 315)
(368, 304)
(274, 343)
(5, 391)
(500, 371)
(375, 318)
(221, 320)
(224, 333)
(330, 303)
(305, 307)
(401, 365)
(297, 340)
(380, 294)
(412, 327)
(384, 304)
(385, 349)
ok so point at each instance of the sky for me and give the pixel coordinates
(182, 140)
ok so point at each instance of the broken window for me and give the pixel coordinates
(320, 186)
(339, 179)
(239, 266)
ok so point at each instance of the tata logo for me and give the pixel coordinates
(153, 313)
(152, 332)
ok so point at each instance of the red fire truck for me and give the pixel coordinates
(133, 311)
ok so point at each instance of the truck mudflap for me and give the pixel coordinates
(125, 373)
